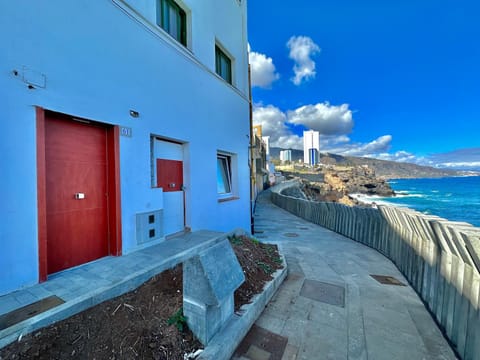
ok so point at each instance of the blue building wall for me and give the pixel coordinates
(100, 59)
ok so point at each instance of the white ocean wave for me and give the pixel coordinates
(401, 194)
(374, 199)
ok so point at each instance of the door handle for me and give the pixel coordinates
(79, 196)
(171, 185)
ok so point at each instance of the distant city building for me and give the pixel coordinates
(257, 130)
(266, 140)
(311, 147)
(286, 155)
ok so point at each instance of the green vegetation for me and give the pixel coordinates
(235, 240)
(178, 319)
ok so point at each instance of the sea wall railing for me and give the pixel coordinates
(439, 258)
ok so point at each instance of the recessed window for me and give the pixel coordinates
(173, 19)
(223, 65)
(224, 174)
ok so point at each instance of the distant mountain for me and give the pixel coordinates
(383, 168)
(462, 159)
(390, 169)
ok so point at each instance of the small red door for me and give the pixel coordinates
(170, 178)
(76, 192)
(170, 175)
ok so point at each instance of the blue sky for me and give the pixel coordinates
(397, 80)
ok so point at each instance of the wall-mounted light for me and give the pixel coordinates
(134, 114)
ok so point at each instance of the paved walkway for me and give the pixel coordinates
(330, 307)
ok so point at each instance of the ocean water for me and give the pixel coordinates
(452, 198)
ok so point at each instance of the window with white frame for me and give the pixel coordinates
(224, 174)
(227, 184)
(173, 19)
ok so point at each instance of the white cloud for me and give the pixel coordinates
(400, 156)
(333, 123)
(373, 148)
(273, 122)
(461, 165)
(323, 117)
(262, 70)
(302, 49)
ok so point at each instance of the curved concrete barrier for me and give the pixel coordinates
(440, 258)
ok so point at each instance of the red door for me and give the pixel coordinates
(76, 192)
(170, 175)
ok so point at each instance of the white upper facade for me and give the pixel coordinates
(209, 23)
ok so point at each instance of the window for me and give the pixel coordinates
(173, 19)
(224, 174)
(223, 65)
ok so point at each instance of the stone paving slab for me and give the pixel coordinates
(379, 321)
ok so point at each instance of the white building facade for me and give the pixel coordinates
(107, 143)
(311, 147)
(285, 155)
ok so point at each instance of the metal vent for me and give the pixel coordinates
(149, 226)
(387, 280)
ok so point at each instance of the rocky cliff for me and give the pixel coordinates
(336, 183)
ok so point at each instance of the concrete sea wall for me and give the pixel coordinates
(440, 258)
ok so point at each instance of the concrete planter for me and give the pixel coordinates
(223, 345)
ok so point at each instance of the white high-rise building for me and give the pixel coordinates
(266, 140)
(311, 147)
(286, 155)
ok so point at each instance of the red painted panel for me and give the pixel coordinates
(41, 196)
(114, 204)
(76, 162)
(170, 175)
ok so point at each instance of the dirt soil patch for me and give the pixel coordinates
(146, 323)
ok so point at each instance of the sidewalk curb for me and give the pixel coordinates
(223, 345)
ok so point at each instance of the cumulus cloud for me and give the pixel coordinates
(334, 124)
(273, 122)
(302, 49)
(462, 165)
(324, 118)
(373, 148)
(463, 159)
(262, 70)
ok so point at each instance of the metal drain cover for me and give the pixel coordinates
(323, 292)
(28, 311)
(387, 280)
(290, 234)
(261, 344)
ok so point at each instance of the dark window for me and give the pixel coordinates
(173, 19)
(223, 65)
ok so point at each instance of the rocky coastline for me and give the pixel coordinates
(333, 183)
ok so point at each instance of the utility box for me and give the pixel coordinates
(209, 281)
